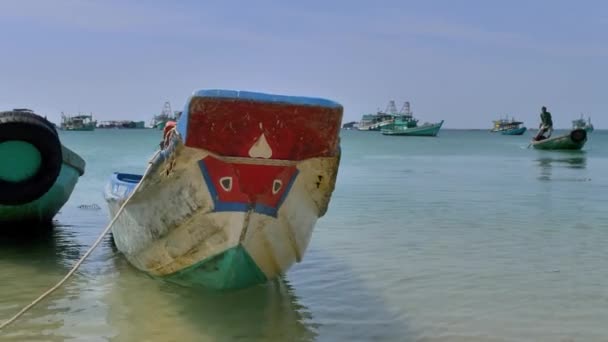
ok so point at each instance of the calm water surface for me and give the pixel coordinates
(466, 237)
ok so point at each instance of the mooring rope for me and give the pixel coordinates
(77, 265)
(273, 162)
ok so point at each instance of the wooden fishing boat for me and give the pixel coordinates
(502, 125)
(38, 173)
(232, 197)
(80, 122)
(425, 130)
(574, 140)
(582, 123)
(514, 131)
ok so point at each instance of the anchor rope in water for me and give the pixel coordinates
(80, 261)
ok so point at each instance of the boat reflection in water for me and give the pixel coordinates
(563, 162)
(171, 312)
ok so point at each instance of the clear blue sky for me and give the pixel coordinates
(466, 62)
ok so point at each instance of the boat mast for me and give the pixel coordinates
(391, 108)
(405, 110)
(166, 112)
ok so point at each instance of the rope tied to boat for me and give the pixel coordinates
(79, 262)
(155, 161)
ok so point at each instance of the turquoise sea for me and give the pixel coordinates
(469, 236)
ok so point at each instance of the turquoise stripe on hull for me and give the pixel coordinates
(46, 207)
(419, 131)
(232, 269)
(514, 131)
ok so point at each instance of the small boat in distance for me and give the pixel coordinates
(37, 173)
(582, 123)
(573, 140)
(128, 124)
(505, 124)
(375, 122)
(159, 121)
(230, 203)
(79, 122)
(405, 124)
(514, 128)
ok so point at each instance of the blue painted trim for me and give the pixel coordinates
(235, 206)
(217, 204)
(264, 97)
(182, 123)
(266, 210)
(270, 211)
(287, 190)
(128, 177)
(126, 181)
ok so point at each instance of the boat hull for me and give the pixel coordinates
(375, 127)
(230, 204)
(420, 131)
(39, 173)
(42, 210)
(574, 140)
(514, 131)
(588, 129)
(79, 129)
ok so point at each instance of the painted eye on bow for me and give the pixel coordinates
(226, 183)
(276, 186)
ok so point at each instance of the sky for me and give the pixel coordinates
(466, 62)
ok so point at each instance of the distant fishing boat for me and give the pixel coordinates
(231, 199)
(573, 140)
(582, 123)
(159, 121)
(375, 122)
(425, 130)
(406, 125)
(77, 123)
(122, 124)
(512, 126)
(37, 173)
(516, 128)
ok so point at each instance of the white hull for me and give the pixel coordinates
(170, 223)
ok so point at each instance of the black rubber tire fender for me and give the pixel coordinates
(36, 130)
(578, 135)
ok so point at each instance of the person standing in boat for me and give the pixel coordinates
(546, 124)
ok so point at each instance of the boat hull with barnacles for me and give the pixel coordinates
(232, 198)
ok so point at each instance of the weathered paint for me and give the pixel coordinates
(231, 269)
(563, 142)
(230, 127)
(43, 209)
(253, 175)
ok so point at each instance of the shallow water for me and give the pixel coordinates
(466, 237)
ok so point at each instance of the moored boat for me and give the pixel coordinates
(382, 119)
(159, 121)
(406, 125)
(514, 131)
(511, 126)
(37, 173)
(231, 199)
(374, 122)
(573, 140)
(424, 130)
(582, 123)
(79, 122)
